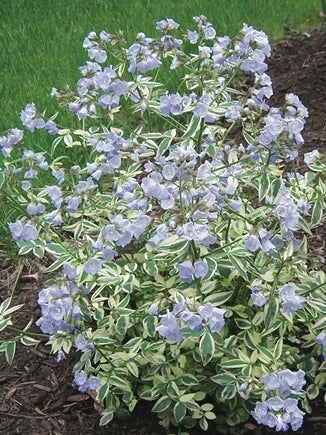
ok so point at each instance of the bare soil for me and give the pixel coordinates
(37, 396)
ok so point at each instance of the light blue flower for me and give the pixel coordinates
(23, 232)
(186, 271)
(200, 269)
(82, 344)
(92, 266)
(169, 327)
(290, 301)
(152, 310)
(309, 158)
(257, 298)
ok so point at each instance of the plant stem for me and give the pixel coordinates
(28, 333)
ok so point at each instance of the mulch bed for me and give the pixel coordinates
(37, 396)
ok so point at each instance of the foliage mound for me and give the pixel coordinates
(176, 219)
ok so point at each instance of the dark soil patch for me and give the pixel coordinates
(37, 395)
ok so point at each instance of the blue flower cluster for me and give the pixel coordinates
(82, 343)
(109, 145)
(290, 301)
(170, 327)
(85, 383)
(188, 270)
(8, 141)
(287, 123)
(279, 414)
(99, 88)
(31, 121)
(95, 45)
(176, 184)
(23, 232)
(60, 311)
(262, 241)
(286, 210)
(285, 381)
(280, 411)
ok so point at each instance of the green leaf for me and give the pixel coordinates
(29, 341)
(210, 415)
(131, 267)
(55, 249)
(166, 142)
(25, 248)
(4, 323)
(271, 311)
(276, 185)
(149, 394)
(103, 391)
(55, 143)
(103, 341)
(162, 404)
(320, 379)
(10, 351)
(265, 355)
(228, 392)
(120, 383)
(321, 324)
(206, 347)
(133, 344)
(302, 224)
(174, 245)
(224, 378)
(258, 318)
(149, 325)
(193, 127)
(233, 364)
(106, 418)
(243, 323)
(38, 251)
(124, 302)
(312, 392)
(240, 265)
(188, 379)
(189, 422)
(179, 411)
(203, 423)
(133, 368)
(172, 389)
(5, 304)
(124, 311)
(250, 341)
(2, 179)
(10, 310)
(317, 305)
(150, 268)
(218, 298)
(317, 212)
(122, 325)
(278, 349)
(212, 266)
(264, 186)
(58, 263)
(211, 150)
(248, 138)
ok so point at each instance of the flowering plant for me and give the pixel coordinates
(178, 236)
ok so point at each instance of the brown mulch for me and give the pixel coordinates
(36, 393)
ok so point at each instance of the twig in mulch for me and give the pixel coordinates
(29, 417)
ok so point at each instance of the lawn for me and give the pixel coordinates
(40, 40)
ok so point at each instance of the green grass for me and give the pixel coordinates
(40, 40)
